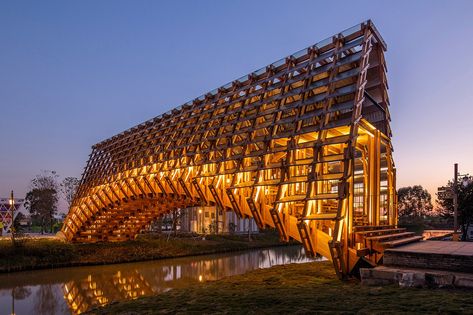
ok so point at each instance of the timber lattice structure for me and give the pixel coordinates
(302, 145)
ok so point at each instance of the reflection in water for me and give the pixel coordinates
(75, 290)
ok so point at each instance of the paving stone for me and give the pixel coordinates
(411, 279)
(416, 278)
(440, 255)
(439, 280)
(384, 274)
(463, 282)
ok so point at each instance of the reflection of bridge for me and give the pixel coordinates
(104, 286)
(302, 145)
(78, 289)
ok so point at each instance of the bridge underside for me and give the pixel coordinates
(302, 145)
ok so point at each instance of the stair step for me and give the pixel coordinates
(379, 232)
(361, 252)
(418, 277)
(390, 236)
(372, 227)
(448, 255)
(402, 241)
(321, 216)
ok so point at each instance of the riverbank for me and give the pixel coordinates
(52, 253)
(296, 288)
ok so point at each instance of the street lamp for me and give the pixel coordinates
(464, 183)
(12, 200)
(455, 201)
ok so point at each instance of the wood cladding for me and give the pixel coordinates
(302, 145)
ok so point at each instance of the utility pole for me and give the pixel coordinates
(12, 213)
(455, 200)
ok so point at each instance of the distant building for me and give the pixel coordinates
(203, 220)
(9, 208)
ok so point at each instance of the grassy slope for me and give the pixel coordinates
(297, 288)
(47, 253)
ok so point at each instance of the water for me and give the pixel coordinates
(78, 289)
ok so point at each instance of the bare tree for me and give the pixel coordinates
(69, 188)
(45, 180)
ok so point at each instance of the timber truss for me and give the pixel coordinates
(302, 145)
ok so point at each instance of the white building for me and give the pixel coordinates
(204, 220)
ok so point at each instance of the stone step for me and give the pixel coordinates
(389, 236)
(402, 241)
(379, 232)
(362, 228)
(440, 255)
(415, 277)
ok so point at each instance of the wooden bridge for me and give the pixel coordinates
(302, 145)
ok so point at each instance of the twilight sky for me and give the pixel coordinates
(75, 73)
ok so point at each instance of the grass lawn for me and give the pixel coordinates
(295, 289)
(50, 253)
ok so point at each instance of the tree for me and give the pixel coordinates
(16, 230)
(41, 200)
(45, 301)
(69, 188)
(414, 201)
(464, 201)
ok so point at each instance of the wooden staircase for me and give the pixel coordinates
(371, 241)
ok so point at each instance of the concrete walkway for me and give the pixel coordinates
(437, 247)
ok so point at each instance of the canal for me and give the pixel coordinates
(78, 289)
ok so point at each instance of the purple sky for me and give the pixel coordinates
(75, 73)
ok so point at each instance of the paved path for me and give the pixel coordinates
(438, 247)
